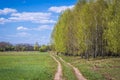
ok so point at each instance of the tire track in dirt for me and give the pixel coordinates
(58, 74)
(76, 71)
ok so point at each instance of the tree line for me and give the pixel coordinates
(91, 28)
(6, 46)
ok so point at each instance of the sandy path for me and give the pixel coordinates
(58, 75)
(76, 71)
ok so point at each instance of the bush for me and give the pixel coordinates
(43, 48)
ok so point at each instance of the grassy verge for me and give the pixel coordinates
(68, 73)
(97, 69)
(26, 66)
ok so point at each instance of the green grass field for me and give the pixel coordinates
(40, 66)
(97, 69)
(26, 66)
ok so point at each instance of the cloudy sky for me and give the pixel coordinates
(30, 21)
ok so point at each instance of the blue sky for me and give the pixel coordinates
(30, 21)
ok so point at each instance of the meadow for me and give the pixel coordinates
(96, 69)
(40, 66)
(26, 66)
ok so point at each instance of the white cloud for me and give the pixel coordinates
(35, 17)
(22, 28)
(60, 8)
(39, 28)
(45, 21)
(31, 15)
(21, 34)
(7, 11)
(3, 20)
(43, 27)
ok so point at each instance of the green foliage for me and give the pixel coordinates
(113, 29)
(44, 48)
(91, 28)
(36, 46)
(6, 46)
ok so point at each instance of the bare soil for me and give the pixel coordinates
(58, 75)
(76, 71)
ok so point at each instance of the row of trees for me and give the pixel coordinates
(42, 48)
(6, 46)
(91, 28)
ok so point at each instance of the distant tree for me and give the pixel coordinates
(18, 47)
(36, 46)
(6, 46)
(43, 48)
(23, 47)
(29, 47)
